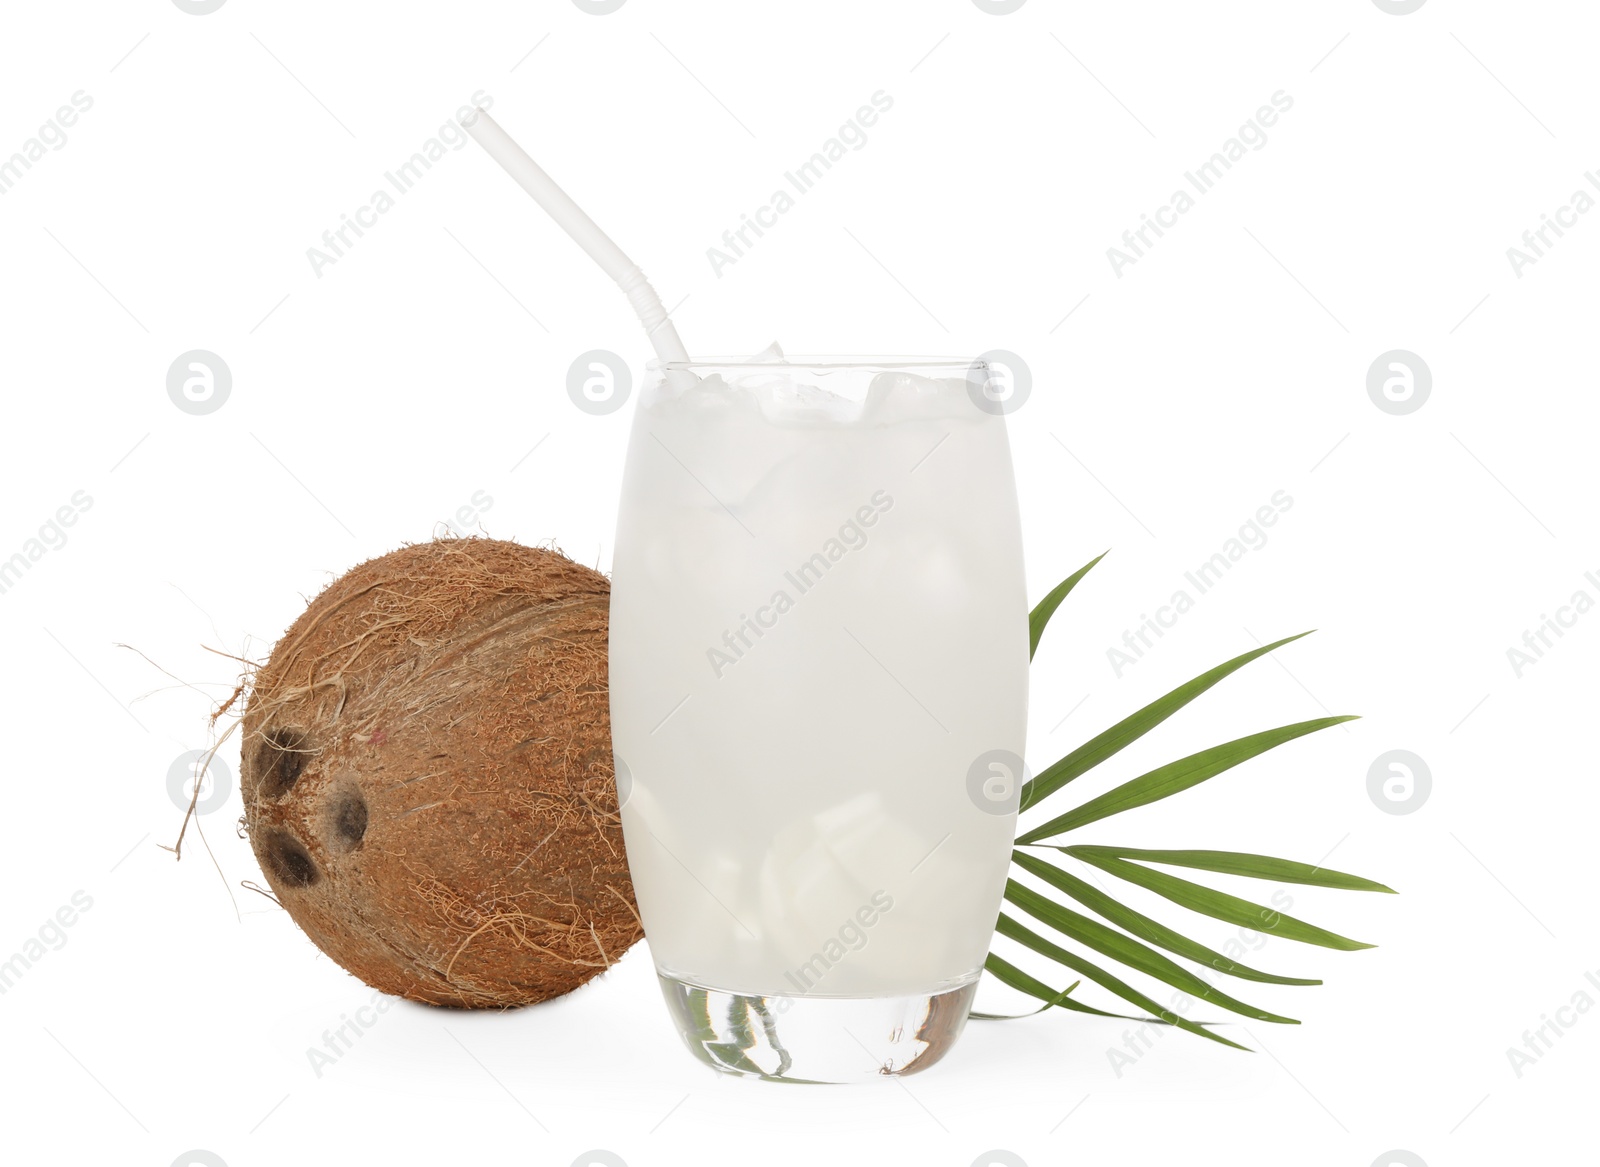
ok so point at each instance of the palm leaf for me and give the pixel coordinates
(1165, 781)
(1134, 950)
(1049, 1000)
(1143, 926)
(1009, 974)
(1130, 729)
(1216, 904)
(1120, 948)
(1008, 927)
(1246, 864)
(1046, 608)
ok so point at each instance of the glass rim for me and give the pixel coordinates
(816, 361)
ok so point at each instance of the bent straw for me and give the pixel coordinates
(572, 219)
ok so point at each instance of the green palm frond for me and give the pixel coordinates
(1135, 945)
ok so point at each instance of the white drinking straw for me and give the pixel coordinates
(532, 178)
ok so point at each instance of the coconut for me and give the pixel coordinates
(427, 775)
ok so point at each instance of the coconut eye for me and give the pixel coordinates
(289, 860)
(349, 820)
(281, 760)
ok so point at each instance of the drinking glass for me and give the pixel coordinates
(818, 672)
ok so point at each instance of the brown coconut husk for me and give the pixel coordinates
(427, 775)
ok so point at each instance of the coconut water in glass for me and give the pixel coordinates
(818, 673)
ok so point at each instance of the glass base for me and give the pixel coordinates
(816, 1039)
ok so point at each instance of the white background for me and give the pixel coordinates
(1230, 362)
